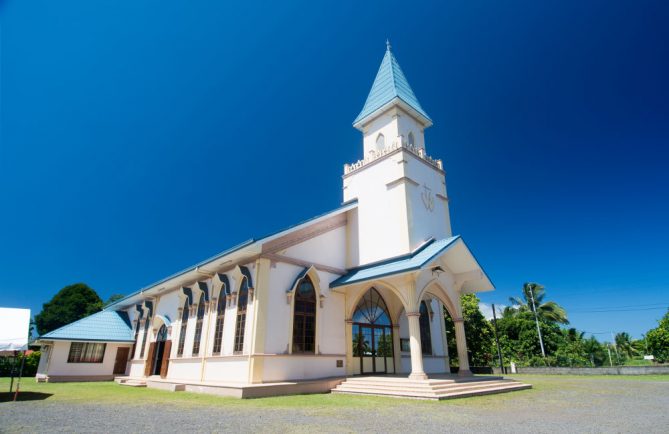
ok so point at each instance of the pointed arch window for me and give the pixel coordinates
(304, 317)
(242, 302)
(372, 309)
(380, 142)
(411, 139)
(182, 332)
(220, 320)
(198, 326)
(425, 332)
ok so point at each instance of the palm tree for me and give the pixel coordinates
(548, 311)
(625, 344)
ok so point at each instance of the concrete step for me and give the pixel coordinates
(132, 382)
(433, 395)
(428, 389)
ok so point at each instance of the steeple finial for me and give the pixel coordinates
(388, 46)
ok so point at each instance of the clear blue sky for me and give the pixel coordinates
(141, 137)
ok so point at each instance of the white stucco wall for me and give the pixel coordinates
(382, 212)
(297, 367)
(58, 365)
(394, 123)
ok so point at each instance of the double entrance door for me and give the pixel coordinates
(373, 345)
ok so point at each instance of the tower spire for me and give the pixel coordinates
(390, 87)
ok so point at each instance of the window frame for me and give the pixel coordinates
(197, 338)
(92, 348)
(183, 329)
(240, 320)
(221, 307)
(425, 329)
(304, 315)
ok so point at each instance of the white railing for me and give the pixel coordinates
(375, 155)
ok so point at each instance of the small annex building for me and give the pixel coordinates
(357, 290)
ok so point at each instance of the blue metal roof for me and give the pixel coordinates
(104, 326)
(344, 207)
(413, 261)
(389, 83)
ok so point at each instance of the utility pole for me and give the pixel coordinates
(499, 350)
(536, 319)
(615, 348)
(608, 348)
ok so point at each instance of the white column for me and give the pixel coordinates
(461, 342)
(417, 372)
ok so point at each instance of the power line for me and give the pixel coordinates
(615, 310)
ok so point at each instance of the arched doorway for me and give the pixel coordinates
(373, 335)
(161, 354)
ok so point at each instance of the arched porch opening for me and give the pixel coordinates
(373, 340)
(160, 349)
(451, 327)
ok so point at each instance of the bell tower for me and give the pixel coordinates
(401, 191)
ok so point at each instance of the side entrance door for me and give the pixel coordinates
(121, 360)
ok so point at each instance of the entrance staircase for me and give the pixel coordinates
(132, 382)
(444, 387)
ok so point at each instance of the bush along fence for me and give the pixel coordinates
(613, 370)
(29, 369)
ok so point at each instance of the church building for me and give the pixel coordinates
(359, 290)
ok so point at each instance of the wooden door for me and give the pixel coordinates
(121, 360)
(166, 359)
(149, 359)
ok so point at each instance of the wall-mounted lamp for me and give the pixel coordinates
(437, 270)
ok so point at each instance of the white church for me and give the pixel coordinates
(353, 295)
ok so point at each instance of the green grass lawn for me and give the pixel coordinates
(112, 393)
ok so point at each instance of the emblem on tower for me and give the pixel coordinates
(428, 198)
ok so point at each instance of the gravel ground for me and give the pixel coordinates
(557, 405)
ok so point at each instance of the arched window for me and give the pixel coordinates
(147, 323)
(182, 332)
(411, 139)
(162, 334)
(372, 309)
(220, 320)
(380, 142)
(242, 301)
(425, 332)
(198, 326)
(304, 317)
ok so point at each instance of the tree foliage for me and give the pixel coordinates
(549, 311)
(70, 304)
(657, 340)
(112, 299)
(478, 333)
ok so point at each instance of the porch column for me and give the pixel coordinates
(417, 372)
(461, 342)
(260, 305)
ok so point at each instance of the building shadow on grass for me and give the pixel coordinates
(24, 396)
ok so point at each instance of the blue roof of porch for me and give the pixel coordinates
(402, 264)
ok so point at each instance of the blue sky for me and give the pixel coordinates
(141, 137)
